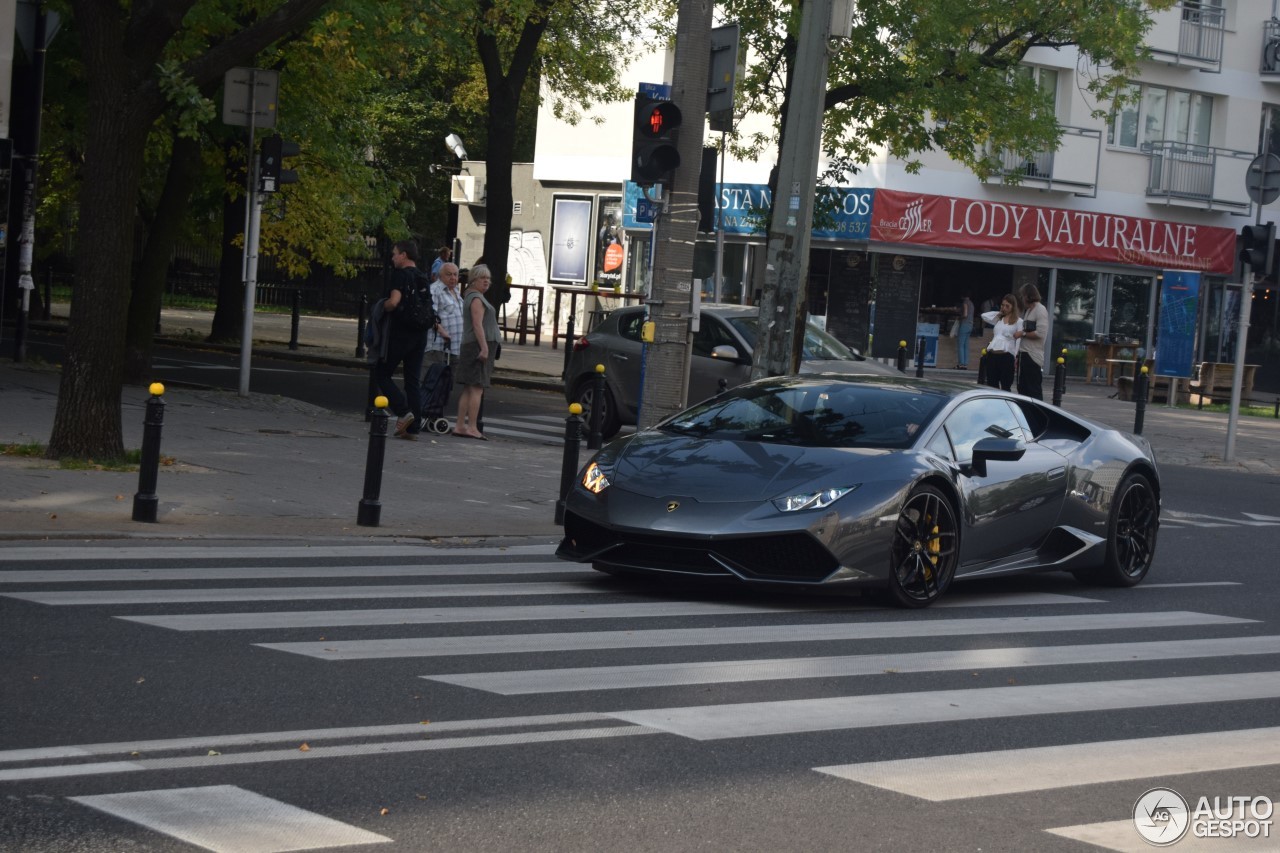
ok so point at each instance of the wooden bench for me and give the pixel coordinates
(1213, 380)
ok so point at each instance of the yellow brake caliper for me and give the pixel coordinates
(933, 548)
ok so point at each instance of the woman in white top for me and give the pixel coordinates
(1003, 349)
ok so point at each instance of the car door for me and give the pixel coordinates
(1014, 506)
(624, 358)
(707, 368)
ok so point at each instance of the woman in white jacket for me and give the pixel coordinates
(1002, 352)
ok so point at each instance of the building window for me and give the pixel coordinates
(1159, 114)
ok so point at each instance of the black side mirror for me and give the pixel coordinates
(995, 450)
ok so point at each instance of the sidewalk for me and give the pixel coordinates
(272, 467)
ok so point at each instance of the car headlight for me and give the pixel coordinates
(812, 500)
(594, 480)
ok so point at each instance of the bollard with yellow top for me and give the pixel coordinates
(1060, 378)
(569, 464)
(595, 438)
(369, 513)
(145, 500)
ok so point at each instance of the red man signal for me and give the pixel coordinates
(653, 143)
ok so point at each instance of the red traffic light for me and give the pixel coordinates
(662, 118)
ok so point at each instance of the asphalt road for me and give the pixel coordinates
(497, 699)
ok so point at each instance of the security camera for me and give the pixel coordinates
(454, 143)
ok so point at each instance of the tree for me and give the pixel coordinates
(915, 77)
(122, 47)
(563, 44)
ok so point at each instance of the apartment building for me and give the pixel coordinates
(1095, 224)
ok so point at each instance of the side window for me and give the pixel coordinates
(629, 325)
(711, 334)
(978, 419)
(940, 445)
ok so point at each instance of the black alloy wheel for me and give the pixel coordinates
(926, 549)
(1131, 535)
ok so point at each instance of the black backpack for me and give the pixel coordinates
(417, 313)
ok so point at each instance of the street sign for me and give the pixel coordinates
(1262, 180)
(236, 100)
(647, 211)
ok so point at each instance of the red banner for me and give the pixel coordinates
(1078, 235)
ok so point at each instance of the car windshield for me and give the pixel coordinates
(818, 345)
(812, 413)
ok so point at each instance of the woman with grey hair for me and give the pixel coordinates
(479, 346)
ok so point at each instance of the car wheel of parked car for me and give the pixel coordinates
(609, 421)
(1131, 535)
(925, 551)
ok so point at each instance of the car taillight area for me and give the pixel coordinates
(581, 344)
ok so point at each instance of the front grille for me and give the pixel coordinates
(796, 557)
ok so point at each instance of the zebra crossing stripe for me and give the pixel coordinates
(223, 552)
(209, 573)
(228, 819)
(941, 778)
(757, 719)
(316, 753)
(303, 593)
(519, 613)
(519, 682)
(487, 644)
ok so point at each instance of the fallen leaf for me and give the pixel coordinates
(135, 753)
(421, 796)
(384, 811)
(139, 681)
(425, 723)
(119, 497)
(53, 515)
(891, 671)
(304, 748)
(214, 752)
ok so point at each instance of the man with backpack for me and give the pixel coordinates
(411, 315)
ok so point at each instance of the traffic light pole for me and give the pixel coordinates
(252, 218)
(783, 306)
(1242, 335)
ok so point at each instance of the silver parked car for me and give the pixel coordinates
(722, 349)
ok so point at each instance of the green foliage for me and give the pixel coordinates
(921, 75)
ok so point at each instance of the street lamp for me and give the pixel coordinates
(454, 143)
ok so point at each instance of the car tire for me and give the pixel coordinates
(925, 549)
(610, 423)
(1131, 535)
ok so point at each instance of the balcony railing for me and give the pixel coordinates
(1190, 33)
(1072, 168)
(1270, 66)
(1197, 176)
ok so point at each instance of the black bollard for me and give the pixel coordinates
(982, 367)
(1140, 395)
(1059, 380)
(594, 437)
(902, 356)
(361, 318)
(370, 511)
(145, 501)
(568, 350)
(920, 360)
(569, 465)
(297, 314)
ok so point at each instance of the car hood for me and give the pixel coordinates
(659, 465)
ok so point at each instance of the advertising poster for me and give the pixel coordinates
(610, 251)
(1176, 336)
(570, 239)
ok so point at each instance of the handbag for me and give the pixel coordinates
(497, 350)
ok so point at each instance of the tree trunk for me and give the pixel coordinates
(148, 289)
(503, 106)
(87, 421)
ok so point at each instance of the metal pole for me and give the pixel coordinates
(920, 359)
(297, 313)
(145, 500)
(250, 246)
(1140, 395)
(568, 349)
(569, 462)
(1242, 335)
(594, 438)
(1059, 379)
(362, 311)
(370, 511)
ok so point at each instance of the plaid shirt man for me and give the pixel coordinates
(447, 337)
